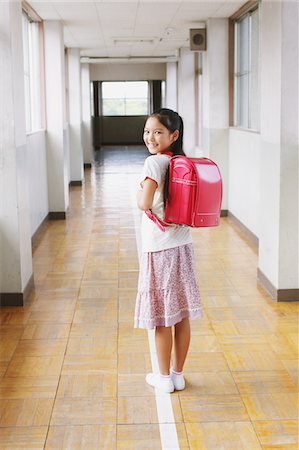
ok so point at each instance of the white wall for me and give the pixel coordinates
(15, 236)
(123, 72)
(86, 119)
(215, 98)
(55, 111)
(172, 85)
(75, 114)
(244, 177)
(279, 256)
(263, 167)
(37, 178)
(186, 98)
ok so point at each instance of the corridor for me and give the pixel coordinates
(73, 368)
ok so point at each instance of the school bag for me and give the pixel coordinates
(194, 193)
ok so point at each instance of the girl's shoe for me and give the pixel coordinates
(178, 380)
(163, 383)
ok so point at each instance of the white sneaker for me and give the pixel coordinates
(178, 380)
(164, 384)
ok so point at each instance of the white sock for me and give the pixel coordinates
(178, 379)
(176, 373)
(162, 382)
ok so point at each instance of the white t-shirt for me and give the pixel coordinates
(153, 239)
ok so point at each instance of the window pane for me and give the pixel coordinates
(125, 98)
(114, 107)
(254, 78)
(27, 103)
(113, 89)
(246, 88)
(91, 100)
(32, 80)
(137, 89)
(244, 45)
(136, 107)
(243, 101)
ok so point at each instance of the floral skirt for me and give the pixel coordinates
(167, 288)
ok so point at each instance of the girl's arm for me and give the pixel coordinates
(145, 196)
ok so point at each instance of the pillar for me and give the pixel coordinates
(86, 115)
(171, 85)
(75, 118)
(16, 278)
(215, 98)
(55, 106)
(186, 98)
(278, 266)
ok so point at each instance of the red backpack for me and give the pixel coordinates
(194, 193)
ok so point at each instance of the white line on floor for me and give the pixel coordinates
(168, 431)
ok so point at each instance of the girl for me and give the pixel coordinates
(167, 290)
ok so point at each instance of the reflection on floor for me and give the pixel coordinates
(72, 367)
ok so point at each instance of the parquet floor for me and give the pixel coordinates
(72, 367)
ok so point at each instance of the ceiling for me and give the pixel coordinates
(141, 28)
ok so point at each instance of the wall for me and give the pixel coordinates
(118, 130)
(15, 238)
(171, 86)
(66, 158)
(123, 72)
(37, 176)
(244, 177)
(86, 119)
(186, 98)
(215, 99)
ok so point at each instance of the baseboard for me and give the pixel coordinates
(57, 215)
(16, 298)
(278, 295)
(224, 213)
(76, 183)
(87, 165)
(243, 229)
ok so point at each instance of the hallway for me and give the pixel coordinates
(72, 367)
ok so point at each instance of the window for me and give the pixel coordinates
(163, 94)
(32, 80)
(246, 72)
(91, 99)
(124, 98)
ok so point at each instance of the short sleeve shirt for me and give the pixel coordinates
(153, 239)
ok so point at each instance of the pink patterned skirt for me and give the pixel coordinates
(167, 288)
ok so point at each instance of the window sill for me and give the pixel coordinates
(246, 130)
(30, 133)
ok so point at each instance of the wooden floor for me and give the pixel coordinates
(72, 367)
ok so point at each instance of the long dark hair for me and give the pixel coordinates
(172, 121)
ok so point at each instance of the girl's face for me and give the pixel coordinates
(157, 137)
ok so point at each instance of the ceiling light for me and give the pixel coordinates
(134, 40)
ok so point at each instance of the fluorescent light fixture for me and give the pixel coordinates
(131, 41)
(128, 59)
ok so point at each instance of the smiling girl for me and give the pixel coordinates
(167, 290)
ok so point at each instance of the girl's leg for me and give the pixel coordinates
(163, 338)
(181, 344)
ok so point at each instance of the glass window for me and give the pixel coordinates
(32, 80)
(124, 98)
(246, 77)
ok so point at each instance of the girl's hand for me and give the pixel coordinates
(145, 196)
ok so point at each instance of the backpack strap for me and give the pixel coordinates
(160, 223)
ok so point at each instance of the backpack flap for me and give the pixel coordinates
(181, 191)
(209, 193)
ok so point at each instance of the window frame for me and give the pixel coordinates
(101, 98)
(246, 11)
(32, 35)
